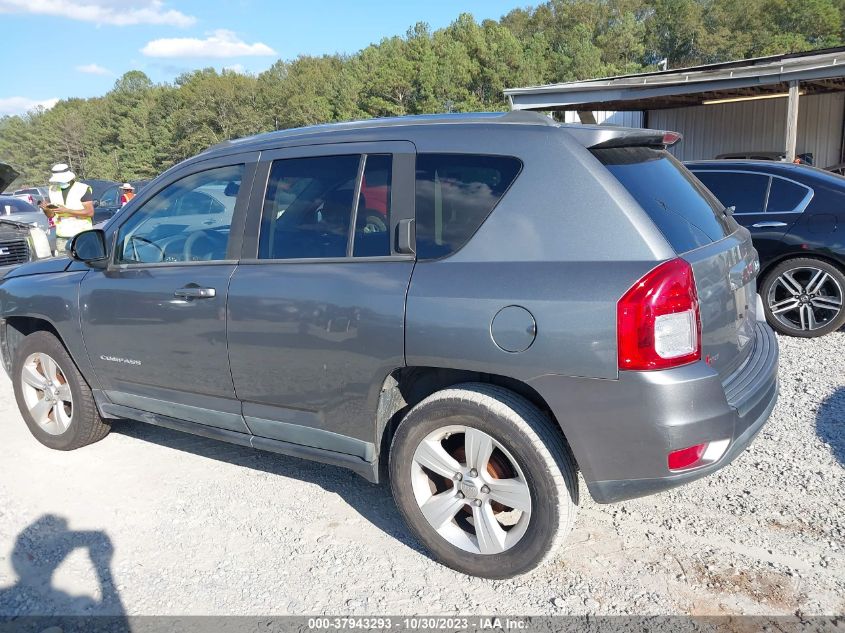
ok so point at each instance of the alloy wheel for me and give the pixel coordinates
(471, 490)
(805, 298)
(47, 393)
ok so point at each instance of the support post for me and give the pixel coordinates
(586, 116)
(792, 121)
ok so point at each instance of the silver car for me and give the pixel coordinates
(21, 211)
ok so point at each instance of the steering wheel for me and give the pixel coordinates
(195, 237)
(373, 223)
(138, 238)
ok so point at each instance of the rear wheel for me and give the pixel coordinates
(804, 297)
(484, 480)
(53, 397)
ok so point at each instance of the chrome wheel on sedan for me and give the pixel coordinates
(803, 297)
(47, 393)
(471, 490)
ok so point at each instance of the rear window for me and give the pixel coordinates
(9, 206)
(684, 211)
(454, 195)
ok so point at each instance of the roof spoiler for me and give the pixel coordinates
(607, 137)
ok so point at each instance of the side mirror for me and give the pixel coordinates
(730, 210)
(89, 247)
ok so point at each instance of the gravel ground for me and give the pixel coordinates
(150, 521)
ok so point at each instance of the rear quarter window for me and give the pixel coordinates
(684, 211)
(786, 196)
(454, 195)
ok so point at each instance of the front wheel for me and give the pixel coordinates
(804, 297)
(55, 401)
(484, 480)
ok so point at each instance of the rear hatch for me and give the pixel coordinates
(723, 260)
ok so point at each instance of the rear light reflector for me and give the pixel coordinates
(657, 320)
(686, 457)
(698, 455)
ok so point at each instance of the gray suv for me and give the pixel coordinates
(475, 307)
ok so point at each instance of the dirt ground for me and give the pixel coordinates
(150, 521)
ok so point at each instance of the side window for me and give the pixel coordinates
(454, 195)
(785, 196)
(746, 192)
(109, 198)
(308, 207)
(372, 223)
(187, 221)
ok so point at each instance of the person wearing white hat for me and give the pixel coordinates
(71, 205)
(127, 193)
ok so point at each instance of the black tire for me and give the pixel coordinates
(532, 440)
(774, 292)
(86, 426)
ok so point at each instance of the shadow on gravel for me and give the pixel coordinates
(39, 551)
(830, 423)
(371, 501)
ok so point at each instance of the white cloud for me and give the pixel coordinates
(116, 12)
(22, 105)
(235, 68)
(94, 69)
(220, 43)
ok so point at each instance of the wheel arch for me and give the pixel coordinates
(405, 387)
(774, 263)
(18, 327)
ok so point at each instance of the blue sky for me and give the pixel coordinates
(67, 48)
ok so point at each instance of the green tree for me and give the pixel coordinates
(139, 128)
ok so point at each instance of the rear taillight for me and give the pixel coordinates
(658, 322)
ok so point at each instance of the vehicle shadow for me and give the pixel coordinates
(373, 502)
(830, 423)
(38, 552)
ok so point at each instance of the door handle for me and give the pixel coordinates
(195, 292)
(769, 225)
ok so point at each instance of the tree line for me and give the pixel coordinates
(140, 128)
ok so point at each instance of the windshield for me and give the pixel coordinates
(685, 212)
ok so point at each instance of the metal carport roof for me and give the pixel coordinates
(817, 71)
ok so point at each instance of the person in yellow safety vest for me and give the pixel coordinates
(70, 205)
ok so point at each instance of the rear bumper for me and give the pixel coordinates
(621, 431)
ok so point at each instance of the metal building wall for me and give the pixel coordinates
(760, 125)
(610, 117)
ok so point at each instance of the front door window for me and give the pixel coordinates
(188, 221)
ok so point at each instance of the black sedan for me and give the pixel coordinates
(796, 215)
